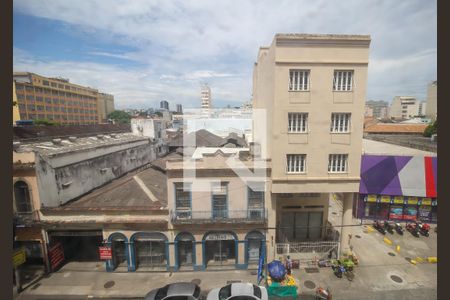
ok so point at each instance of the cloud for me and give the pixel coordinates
(180, 44)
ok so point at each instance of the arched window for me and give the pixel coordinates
(22, 197)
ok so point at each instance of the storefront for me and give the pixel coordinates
(220, 249)
(149, 251)
(400, 208)
(184, 251)
(254, 242)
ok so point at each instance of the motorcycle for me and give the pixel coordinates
(398, 228)
(323, 294)
(339, 269)
(413, 229)
(389, 227)
(377, 225)
(424, 229)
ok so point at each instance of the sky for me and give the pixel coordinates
(144, 51)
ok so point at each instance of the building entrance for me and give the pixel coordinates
(300, 226)
(78, 245)
(220, 249)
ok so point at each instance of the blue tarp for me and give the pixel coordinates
(276, 270)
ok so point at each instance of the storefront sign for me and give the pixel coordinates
(371, 198)
(105, 253)
(425, 213)
(385, 199)
(219, 237)
(396, 212)
(56, 255)
(410, 213)
(426, 201)
(412, 200)
(398, 200)
(18, 258)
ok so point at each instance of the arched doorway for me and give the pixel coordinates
(254, 241)
(185, 250)
(119, 247)
(22, 197)
(150, 250)
(220, 249)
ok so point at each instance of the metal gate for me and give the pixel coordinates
(308, 251)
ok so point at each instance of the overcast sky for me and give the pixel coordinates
(146, 51)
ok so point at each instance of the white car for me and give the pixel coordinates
(239, 291)
(175, 291)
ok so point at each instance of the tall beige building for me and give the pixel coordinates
(313, 89)
(59, 100)
(431, 108)
(206, 97)
(404, 107)
(105, 106)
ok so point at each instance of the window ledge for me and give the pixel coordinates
(338, 173)
(305, 91)
(340, 132)
(293, 132)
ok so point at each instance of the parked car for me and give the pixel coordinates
(239, 291)
(175, 291)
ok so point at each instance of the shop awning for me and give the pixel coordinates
(399, 175)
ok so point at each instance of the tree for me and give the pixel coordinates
(120, 116)
(430, 129)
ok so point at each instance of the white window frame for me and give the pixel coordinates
(343, 80)
(296, 163)
(299, 80)
(338, 163)
(340, 122)
(297, 122)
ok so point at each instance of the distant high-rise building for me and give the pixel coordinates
(206, 97)
(431, 108)
(377, 109)
(164, 105)
(58, 100)
(179, 108)
(404, 107)
(422, 108)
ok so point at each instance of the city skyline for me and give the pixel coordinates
(145, 52)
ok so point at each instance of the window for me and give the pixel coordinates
(20, 96)
(61, 86)
(45, 82)
(337, 163)
(255, 200)
(342, 80)
(22, 197)
(340, 122)
(219, 200)
(29, 88)
(405, 106)
(39, 99)
(38, 90)
(30, 107)
(183, 199)
(257, 291)
(67, 87)
(296, 163)
(162, 292)
(30, 98)
(53, 84)
(297, 122)
(299, 80)
(225, 292)
(40, 108)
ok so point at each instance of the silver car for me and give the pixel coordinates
(239, 291)
(175, 291)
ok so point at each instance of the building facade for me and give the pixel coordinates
(154, 129)
(312, 89)
(105, 106)
(377, 108)
(179, 108)
(164, 105)
(404, 107)
(15, 106)
(205, 96)
(56, 99)
(431, 107)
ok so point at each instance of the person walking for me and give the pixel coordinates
(288, 265)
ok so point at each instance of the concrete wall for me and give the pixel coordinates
(70, 175)
(152, 128)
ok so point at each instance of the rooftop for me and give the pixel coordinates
(60, 146)
(395, 128)
(307, 36)
(376, 147)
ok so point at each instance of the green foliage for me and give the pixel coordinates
(45, 122)
(430, 130)
(120, 116)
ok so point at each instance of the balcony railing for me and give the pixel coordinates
(250, 216)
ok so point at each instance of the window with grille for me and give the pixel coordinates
(337, 163)
(22, 197)
(219, 200)
(296, 163)
(340, 122)
(183, 199)
(343, 80)
(299, 80)
(255, 194)
(297, 122)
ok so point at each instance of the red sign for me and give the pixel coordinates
(105, 252)
(56, 256)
